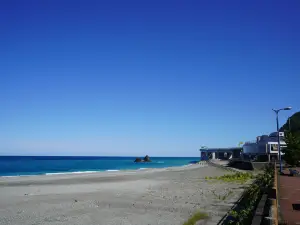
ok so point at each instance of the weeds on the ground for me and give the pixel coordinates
(196, 217)
(242, 214)
(235, 177)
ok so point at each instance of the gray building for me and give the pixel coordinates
(265, 145)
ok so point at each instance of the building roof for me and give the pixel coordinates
(220, 149)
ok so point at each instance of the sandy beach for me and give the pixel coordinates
(146, 197)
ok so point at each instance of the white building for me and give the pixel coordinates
(265, 145)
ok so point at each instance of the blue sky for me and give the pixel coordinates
(144, 77)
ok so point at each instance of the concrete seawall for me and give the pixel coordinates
(239, 164)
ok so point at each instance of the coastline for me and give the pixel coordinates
(98, 174)
(166, 196)
(96, 171)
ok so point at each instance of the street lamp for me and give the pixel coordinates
(279, 151)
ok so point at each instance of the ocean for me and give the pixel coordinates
(47, 165)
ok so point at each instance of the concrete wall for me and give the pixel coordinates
(241, 164)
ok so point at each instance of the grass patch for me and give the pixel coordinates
(196, 217)
(235, 177)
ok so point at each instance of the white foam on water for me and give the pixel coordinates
(92, 171)
(58, 173)
(76, 172)
(187, 165)
(29, 175)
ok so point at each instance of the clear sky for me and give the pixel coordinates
(144, 77)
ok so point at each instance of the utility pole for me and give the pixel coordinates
(278, 137)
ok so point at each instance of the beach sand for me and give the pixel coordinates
(154, 196)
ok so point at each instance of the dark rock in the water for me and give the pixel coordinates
(138, 160)
(194, 162)
(147, 159)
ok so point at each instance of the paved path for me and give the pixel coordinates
(289, 194)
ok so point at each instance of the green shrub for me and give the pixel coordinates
(252, 195)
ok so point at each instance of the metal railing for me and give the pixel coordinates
(251, 142)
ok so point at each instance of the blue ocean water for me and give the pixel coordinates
(36, 165)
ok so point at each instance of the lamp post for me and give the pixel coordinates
(278, 138)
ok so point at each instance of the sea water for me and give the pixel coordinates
(37, 165)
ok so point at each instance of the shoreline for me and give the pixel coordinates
(97, 174)
(95, 171)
